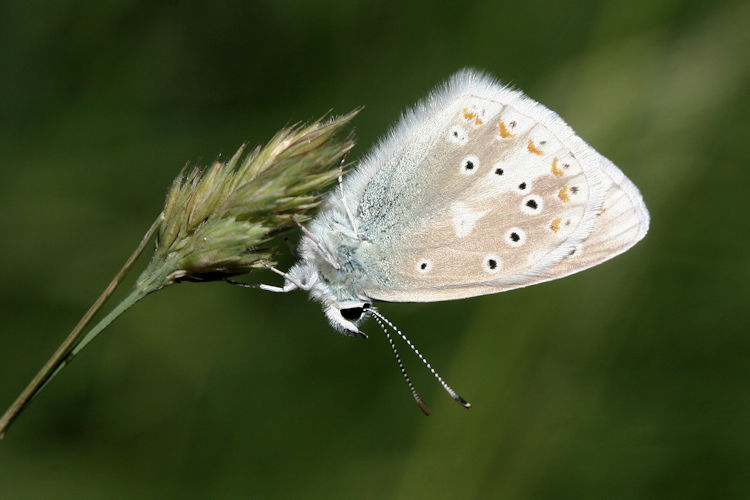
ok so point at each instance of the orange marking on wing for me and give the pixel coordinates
(533, 149)
(504, 131)
(555, 226)
(555, 170)
(563, 194)
(469, 114)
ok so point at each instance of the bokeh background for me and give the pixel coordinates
(629, 380)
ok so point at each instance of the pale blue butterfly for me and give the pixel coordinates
(478, 189)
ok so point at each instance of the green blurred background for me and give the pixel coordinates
(629, 380)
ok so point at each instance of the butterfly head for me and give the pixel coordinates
(343, 307)
(346, 317)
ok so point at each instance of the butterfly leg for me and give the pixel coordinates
(287, 278)
(290, 283)
(262, 286)
(278, 289)
(343, 199)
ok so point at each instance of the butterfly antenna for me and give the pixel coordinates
(447, 388)
(414, 392)
(343, 198)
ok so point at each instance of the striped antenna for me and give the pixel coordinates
(414, 392)
(447, 388)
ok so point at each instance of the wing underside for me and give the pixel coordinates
(484, 190)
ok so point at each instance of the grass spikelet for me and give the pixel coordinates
(218, 222)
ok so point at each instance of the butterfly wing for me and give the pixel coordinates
(480, 190)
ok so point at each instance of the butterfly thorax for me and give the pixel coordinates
(331, 270)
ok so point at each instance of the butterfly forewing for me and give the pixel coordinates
(504, 195)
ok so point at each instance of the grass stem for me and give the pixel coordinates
(65, 352)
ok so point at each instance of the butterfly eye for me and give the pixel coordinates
(469, 165)
(352, 313)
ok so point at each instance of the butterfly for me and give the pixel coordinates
(478, 189)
